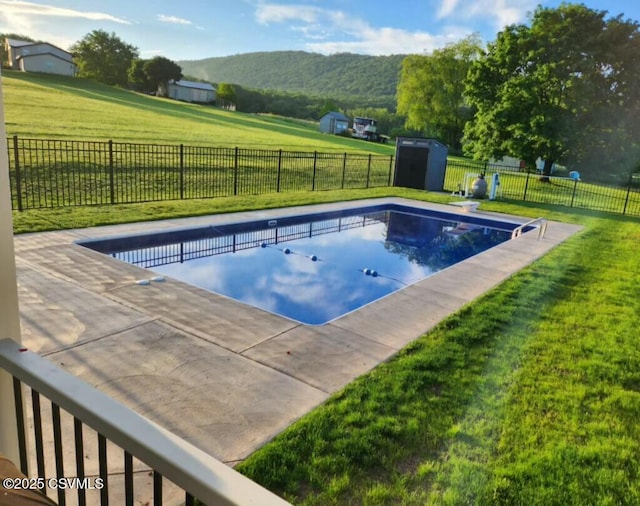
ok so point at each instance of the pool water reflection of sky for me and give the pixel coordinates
(333, 267)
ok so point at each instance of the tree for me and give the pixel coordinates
(431, 91)
(160, 71)
(104, 57)
(563, 89)
(328, 106)
(137, 77)
(226, 95)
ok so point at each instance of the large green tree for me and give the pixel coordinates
(160, 71)
(564, 88)
(104, 57)
(137, 77)
(431, 90)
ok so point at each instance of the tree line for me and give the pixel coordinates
(371, 80)
(562, 88)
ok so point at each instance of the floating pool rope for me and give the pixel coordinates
(366, 271)
(287, 251)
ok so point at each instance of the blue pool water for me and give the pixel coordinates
(315, 268)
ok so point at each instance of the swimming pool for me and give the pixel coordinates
(313, 268)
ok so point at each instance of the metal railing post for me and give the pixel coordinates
(112, 191)
(9, 312)
(235, 171)
(526, 185)
(181, 171)
(344, 169)
(16, 160)
(390, 170)
(626, 200)
(368, 170)
(315, 166)
(279, 170)
(573, 195)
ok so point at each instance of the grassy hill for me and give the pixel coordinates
(341, 75)
(55, 107)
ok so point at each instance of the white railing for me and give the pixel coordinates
(197, 473)
(542, 228)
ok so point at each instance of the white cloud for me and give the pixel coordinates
(501, 12)
(35, 20)
(385, 41)
(343, 33)
(274, 13)
(447, 8)
(173, 19)
(13, 8)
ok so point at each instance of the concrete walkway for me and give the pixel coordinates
(225, 376)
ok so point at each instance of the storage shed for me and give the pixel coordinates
(39, 57)
(189, 91)
(420, 163)
(334, 123)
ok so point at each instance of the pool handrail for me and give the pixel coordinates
(542, 228)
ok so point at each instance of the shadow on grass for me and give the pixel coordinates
(93, 90)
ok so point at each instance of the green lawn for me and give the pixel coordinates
(529, 395)
(45, 106)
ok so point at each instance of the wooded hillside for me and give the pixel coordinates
(343, 75)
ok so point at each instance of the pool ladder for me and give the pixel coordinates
(542, 228)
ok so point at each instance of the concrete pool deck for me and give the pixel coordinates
(225, 376)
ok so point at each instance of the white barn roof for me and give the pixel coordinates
(191, 84)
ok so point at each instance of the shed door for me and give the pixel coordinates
(411, 167)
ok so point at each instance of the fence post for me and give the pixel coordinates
(573, 196)
(315, 166)
(368, 170)
(279, 169)
(112, 192)
(626, 200)
(181, 171)
(16, 157)
(390, 170)
(235, 172)
(526, 185)
(344, 169)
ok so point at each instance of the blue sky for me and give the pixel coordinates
(202, 28)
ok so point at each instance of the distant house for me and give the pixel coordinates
(189, 91)
(39, 57)
(334, 123)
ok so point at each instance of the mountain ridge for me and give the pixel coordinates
(341, 75)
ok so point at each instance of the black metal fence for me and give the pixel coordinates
(531, 187)
(59, 173)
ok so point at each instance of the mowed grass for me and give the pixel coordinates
(528, 395)
(56, 107)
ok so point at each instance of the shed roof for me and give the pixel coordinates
(337, 115)
(18, 43)
(192, 84)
